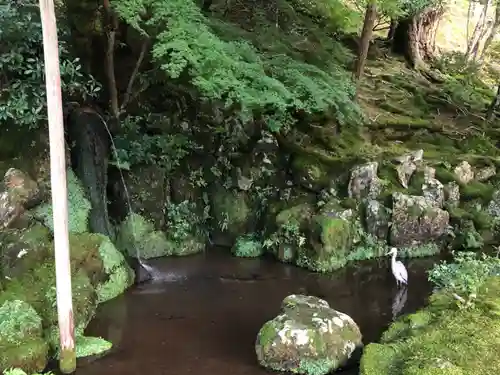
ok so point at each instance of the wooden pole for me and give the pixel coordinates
(67, 360)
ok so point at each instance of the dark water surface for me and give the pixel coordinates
(204, 318)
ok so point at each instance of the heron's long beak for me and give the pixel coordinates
(389, 253)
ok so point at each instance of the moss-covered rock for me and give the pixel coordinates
(308, 337)
(310, 172)
(248, 246)
(443, 338)
(232, 212)
(21, 337)
(138, 238)
(21, 250)
(330, 244)
(415, 220)
(78, 207)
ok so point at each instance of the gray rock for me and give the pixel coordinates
(407, 166)
(486, 173)
(415, 220)
(464, 172)
(377, 219)
(494, 205)
(364, 182)
(452, 193)
(308, 337)
(433, 190)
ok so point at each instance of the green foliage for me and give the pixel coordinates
(134, 147)
(18, 371)
(234, 72)
(22, 92)
(18, 321)
(182, 221)
(248, 246)
(466, 274)
(87, 346)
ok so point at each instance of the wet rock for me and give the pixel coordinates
(464, 172)
(377, 219)
(433, 190)
(486, 173)
(364, 182)
(415, 220)
(10, 209)
(452, 193)
(308, 337)
(21, 338)
(407, 166)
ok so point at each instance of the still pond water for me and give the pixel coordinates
(204, 316)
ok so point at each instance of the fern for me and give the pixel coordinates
(236, 72)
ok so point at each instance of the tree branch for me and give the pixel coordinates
(128, 94)
(111, 25)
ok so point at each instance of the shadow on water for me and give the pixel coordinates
(203, 317)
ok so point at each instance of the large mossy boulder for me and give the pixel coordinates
(445, 338)
(21, 337)
(138, 239)
(311, 173)
(308, 337)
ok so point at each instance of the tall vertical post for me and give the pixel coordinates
(67, 360)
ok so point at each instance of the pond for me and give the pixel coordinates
(204, 316)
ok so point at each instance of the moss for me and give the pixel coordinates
(120, 275)
(137, 238)
(477, 190)
(232, 211)
(442, 337)
(310, 172)
(298, 215)
(248, 246)
(78, 207)
(336, 238)
(21, 341)
(67, 361)
(267, 333)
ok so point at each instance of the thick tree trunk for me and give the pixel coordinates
(392, 30)
(414, 37)
(495, 28)
(366, 37)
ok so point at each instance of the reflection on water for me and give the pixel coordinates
(204, 317)
(399, 301)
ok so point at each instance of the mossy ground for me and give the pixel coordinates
(443, 338)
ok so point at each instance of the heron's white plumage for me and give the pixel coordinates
(398, 269)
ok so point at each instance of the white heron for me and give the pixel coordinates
(398, 269)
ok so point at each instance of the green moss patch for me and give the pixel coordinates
(443, 338)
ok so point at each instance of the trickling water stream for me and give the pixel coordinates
(203, 317)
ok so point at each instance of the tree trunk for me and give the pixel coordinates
(414, 37)
(475, 40)
(493, 31)
(392, 30)
(366, 37)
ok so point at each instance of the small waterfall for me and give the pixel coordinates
(154, 273)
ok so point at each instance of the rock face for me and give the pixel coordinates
(364, 182)
(308, 337)
(415, 220)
